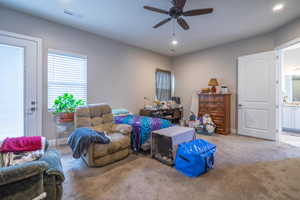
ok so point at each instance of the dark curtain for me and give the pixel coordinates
(163, 85)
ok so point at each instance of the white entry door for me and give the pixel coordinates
(19, 114)
(257, 95)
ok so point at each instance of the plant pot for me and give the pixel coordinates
(66, 117)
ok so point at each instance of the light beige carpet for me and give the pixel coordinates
(246, 168)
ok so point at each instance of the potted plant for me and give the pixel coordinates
(64, 107)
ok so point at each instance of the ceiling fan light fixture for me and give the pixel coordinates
(177, 12)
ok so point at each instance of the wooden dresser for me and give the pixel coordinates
(218, 107)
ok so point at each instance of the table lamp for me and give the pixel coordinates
(213, 83)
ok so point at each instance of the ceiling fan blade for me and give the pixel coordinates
(183, 23)
(162, 22)
(180, 3)
(198, 12)
(156, 10)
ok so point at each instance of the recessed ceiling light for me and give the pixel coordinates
(174, 42)
(278, 7)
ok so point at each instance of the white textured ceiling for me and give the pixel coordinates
(128, 22)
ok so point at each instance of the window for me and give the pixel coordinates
(163, 85)
(67, 73)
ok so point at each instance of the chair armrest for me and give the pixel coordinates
(122, 128)
(20, 172)
(52, 158)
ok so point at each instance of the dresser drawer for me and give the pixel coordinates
(219, 123)
(221, 131)
(217, 112)
(204, 109)
(213, 114)
(203, 104)
(218, 118)
(219, 99)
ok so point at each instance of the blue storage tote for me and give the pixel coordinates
(195, 158)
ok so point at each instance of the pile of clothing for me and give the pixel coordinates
(19, 150)
(203, 125)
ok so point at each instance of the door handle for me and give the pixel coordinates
(240, 105)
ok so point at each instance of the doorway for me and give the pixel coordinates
(290, 95)
(20, 102)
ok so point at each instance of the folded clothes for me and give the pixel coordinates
(21, 144)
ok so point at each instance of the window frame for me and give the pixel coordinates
(171, 81)
(70, 54)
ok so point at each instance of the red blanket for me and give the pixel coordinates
(21, 144)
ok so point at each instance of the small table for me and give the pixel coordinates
(164, 142)
(63, 131)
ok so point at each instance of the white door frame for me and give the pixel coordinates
(279, 62)
(39, 103)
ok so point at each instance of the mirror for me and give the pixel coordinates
(291, 74)
(296, 88)
(292, 89)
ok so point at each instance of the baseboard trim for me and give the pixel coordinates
(233, 131)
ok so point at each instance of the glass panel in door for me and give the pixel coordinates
(11, 91)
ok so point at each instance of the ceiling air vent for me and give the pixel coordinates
(71, 13)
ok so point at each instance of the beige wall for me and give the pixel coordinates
(119, 74)
(291, 60)
(193, 71)
(122, 75)
(287, 33)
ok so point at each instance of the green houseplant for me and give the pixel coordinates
(64, 107)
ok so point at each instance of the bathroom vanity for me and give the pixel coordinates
(291, 117)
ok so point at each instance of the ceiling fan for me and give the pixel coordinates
(176, 12)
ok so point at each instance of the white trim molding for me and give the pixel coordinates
(288, 44)
(233, 131)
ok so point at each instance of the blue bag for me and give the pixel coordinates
(195, 158)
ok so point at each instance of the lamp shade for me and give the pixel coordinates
(213, 82)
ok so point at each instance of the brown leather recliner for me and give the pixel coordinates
(99, 117)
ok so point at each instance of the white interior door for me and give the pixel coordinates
(257, 95)
(18, 87)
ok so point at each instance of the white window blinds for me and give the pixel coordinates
(66, 74)
(163, 85)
